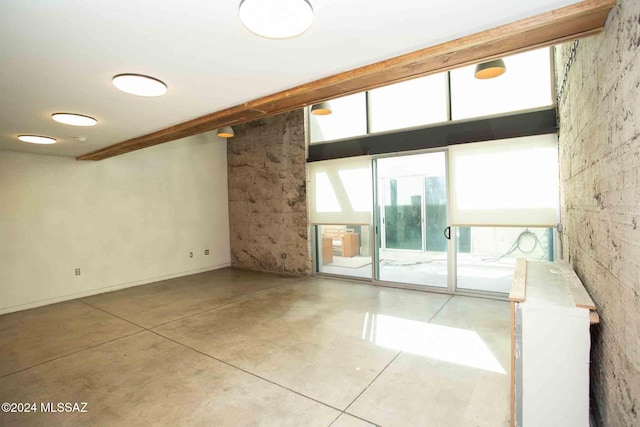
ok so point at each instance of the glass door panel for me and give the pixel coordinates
(487, 255)
(403, 213)
(343, 250)
(411, 219)
(436, 213)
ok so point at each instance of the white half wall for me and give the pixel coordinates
(123, 221)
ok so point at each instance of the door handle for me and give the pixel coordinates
(447, 233)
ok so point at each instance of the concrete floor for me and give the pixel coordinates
(241, 348)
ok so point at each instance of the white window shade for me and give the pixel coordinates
(340, 191)
(512, 182)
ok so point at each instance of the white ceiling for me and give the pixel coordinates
(60, 56)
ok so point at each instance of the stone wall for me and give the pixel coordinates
(600, 197)
(267, 195)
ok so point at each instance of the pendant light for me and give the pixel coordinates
(321, 109)
(490, 69)
(225, 132)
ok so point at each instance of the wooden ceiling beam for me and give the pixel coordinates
(568, 23)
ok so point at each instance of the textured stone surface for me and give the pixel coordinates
(267, 195)
(600, 198)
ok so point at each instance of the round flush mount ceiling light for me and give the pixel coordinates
(74, 119)
(491, 69)
(276, 19)
(37, 139)
(139, 84)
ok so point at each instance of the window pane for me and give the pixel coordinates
(340, 191)
(415, 102)
(403, 213)
(525, 84)
(412, 217)
(487, 255)
(505, 182)
(348, 118)
(344, 250)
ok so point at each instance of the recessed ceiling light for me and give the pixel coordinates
(138, 84)
(37, 139)
(276, 19)
(74, 119)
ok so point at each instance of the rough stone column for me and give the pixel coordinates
(267, 195)
(600, 200)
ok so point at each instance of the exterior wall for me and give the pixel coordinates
(267, 195)
(600, 198)
(124, 221)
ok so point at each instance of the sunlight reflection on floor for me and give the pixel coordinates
(453, 345)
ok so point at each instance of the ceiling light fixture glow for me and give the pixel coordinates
(226, 132)
(490, 69)
(37, 139)
(74, 119)
(276, 19)
(139, 84)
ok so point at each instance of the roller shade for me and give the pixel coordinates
(505, 182)
(340, 191)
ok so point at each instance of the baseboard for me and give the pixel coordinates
(104, 289)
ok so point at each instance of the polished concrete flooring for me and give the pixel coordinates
(242, 348)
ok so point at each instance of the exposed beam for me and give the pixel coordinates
(568, 23)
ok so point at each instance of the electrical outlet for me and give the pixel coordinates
(77, 271)
(190, 254)
(206, 251)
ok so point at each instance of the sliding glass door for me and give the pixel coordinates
(411, 219)
(454, 219)
(340, 203)
(504, 198)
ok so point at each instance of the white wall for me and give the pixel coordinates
(124, 221)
